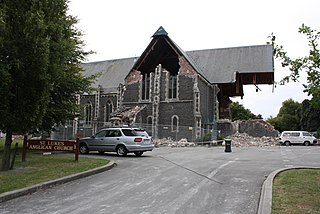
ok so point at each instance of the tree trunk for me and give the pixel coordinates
(6, 152)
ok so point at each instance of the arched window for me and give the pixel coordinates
(108, 110)
(88, 113)
(173, 89)
(149, 124)
(145, 92)
(175, 123)
(149, 120)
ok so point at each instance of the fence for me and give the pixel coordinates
(72, 130)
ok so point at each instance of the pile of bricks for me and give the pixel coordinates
(257, 128)
(237, 140)
(243, 139)
(171, 143)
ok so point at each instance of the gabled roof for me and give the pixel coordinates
(221, 65)
(218, 66)
(160, 48)
(112, 72)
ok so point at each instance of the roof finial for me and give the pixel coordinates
(160, 32)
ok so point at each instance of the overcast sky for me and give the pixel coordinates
(123, 28)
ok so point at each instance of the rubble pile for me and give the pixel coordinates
(126, 115)
(243, 139)
(257, 128)
(237, 139)
(171, 143)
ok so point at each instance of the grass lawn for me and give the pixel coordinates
(296, 191)
(39, 168)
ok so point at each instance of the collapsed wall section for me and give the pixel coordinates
(254, 128)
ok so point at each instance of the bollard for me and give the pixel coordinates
(227, 145)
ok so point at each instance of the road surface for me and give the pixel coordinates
(170, 180)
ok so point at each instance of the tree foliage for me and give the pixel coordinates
(309, 64)
(40, 74)
(310, 117)
(309, 110)
(297, 116)
(289, 116)
(239, 112)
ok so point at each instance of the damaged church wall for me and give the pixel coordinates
(193, 87)
(257, 128)
(164, 81)
(181, 110)
(226, 128)
(106, 99)
(185, 88)
(253, 127)
(181, 107)
(98, 118)
(131, 92)
(206, 103)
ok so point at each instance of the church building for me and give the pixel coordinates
(170, 92)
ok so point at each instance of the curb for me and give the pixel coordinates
(265, 201)
(28, 190)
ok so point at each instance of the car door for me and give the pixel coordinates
(296, 138)
(112, 139)
(97, 141)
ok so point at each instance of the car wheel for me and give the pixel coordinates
(287, 143)
(138, 154)
(83, 149)
(307, 143)
(121, 150)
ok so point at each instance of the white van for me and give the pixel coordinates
(297, 137)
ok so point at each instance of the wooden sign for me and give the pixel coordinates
(50, 145)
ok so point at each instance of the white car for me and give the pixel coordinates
(297, 137)
(119, 140)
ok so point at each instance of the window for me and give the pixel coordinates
(145, 92)
(88, 113)
(175, 123)
(306, 134)
(149, 120)
(101, 134)
(129, 132)
(113, 133)
(108, 110)
(197, 103)
(295, 134)
(172, 87)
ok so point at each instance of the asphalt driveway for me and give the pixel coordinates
(171, 180)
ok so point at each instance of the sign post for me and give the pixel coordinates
(24, 148)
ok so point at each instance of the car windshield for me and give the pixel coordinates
(129, 132)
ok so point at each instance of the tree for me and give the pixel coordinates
(288, 117)
(309, 64)
(40, 56)
(239, 112)
(310, 116)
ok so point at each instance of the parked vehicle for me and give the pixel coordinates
(119, 140)
(297, 137)
(2, 135)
